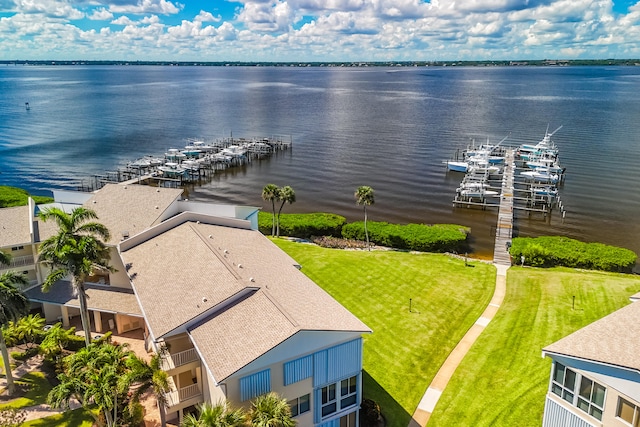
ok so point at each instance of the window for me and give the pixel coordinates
(564, 382)
(628, 412)
(329, 403)
(590, 397)
(300, 405)
(348, 392)
(332, 403)
(348, 420)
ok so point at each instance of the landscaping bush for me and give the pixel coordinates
(549, 251)
(369, 413)
(416, 237)
(303, 225)
(24, 355)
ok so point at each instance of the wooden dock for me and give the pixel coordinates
(504, 227)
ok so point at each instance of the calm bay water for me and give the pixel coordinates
(390, 128)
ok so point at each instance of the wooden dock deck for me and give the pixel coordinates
(504, 227)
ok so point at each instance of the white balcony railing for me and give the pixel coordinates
(176, 396)
(19, 261)
(174, 360)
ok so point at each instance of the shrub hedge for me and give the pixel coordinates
(416, 237)
(549, 251)
(303, 225)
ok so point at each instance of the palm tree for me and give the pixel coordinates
(5, 258)
(75, 251)
(13, 304)
(270, 410)
(94, 376)
(148, 376)
(364, 197)
(29, 327)
(270, 193)
(285, 195)
(55, 340)
(219, 415)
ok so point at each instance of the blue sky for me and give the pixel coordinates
(318, 30)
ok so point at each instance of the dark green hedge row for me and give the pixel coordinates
(303, 225)
(417, 237)
(549, 251)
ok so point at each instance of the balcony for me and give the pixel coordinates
(19, 262)
(174, 360)
(184, 394)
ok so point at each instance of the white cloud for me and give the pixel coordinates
(101, 14)
(207, 17)
(50, 8)
(267, 17)
(123, 20)
(162, 7)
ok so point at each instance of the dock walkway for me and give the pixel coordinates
(504, 227)
(502, 261)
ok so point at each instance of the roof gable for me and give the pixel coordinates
(612, 340)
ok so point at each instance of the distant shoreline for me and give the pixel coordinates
(487, 63)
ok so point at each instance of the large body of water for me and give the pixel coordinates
(390, 128)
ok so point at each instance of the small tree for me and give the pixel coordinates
(270, 410)
(13, 305)
(364, 196)
(218, 415)
(285, 195)
(270, 193)
(96, 376)
(29, 328)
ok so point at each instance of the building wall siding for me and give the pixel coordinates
(255, 385)
(337, 362)
(556, 415)
(298, 370)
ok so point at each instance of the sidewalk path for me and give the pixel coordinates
(434, 391)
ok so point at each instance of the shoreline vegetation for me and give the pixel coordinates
(487, 63)
(331, 230)
(13, 196)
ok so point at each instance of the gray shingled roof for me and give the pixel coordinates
(174, 273)
(131, 208)
(612, 340)
(99, 298)
(14, 226)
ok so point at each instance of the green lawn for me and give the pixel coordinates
(503, 379)
(39, 387)
(406, 349)
(76, 418)
(13, 196)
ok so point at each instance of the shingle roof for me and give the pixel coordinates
(175, 272)
(120, 207)
(256, 324)
(14, 226)
(611, 340)
(98, 298)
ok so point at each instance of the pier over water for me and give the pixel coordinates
(504, 228)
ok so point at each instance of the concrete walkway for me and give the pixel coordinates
(434, 391)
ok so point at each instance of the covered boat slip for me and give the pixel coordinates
(110, 308)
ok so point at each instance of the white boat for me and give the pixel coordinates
(476, 192)
(546, 147)
(174, 155)
(546, 190)
(191, 165)
(191, 151)
(541, 176)
(457, 166)
(172, 170)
